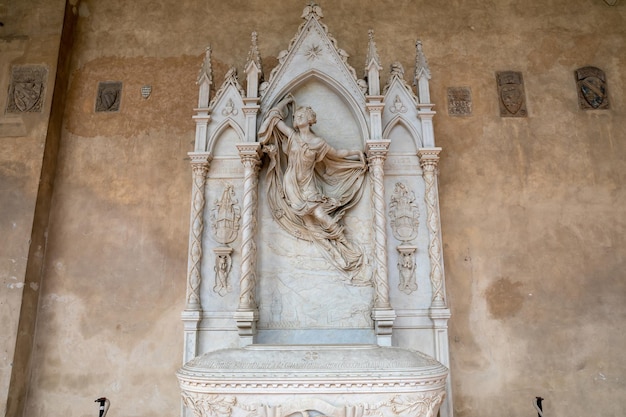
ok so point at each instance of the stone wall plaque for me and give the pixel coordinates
(27, 89)
(591, 87)
(109, 96)
(459, 101)
(511, 94)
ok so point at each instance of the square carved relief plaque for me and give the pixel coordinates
(459, 101)
(109, 96)
(27, 89)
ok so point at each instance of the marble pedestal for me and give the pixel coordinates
(313, 380)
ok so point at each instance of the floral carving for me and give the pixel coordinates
(209, 405)
(422, 405)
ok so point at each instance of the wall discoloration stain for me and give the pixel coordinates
(173, 82)
(504, 298)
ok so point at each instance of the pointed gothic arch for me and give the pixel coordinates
(219, 131)
(400, 121)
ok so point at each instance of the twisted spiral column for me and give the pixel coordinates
(429, 157)
(250, 158)
(376, 155)
(382, 313)
(200, 162)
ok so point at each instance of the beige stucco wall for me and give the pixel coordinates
(532, 208)
(30, 34)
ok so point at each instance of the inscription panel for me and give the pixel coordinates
(459, 101)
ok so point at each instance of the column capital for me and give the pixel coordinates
(251, 109)
(377, 148)
(428, 156)
(200, 157)
(249, 152)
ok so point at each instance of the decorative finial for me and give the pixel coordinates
(421, 64)
(206, 72)
(312, 11)
(253, 54)
(372, 53)
(397, 70)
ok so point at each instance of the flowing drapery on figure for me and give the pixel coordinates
(306, 175)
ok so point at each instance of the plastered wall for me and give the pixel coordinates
(532, 208)
(30, 34)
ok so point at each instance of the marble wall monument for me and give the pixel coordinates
(315, 256)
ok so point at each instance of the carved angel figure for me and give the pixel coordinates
(223, 265)
(406, 266)
(311, 184)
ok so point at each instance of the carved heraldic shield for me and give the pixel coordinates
(591, 86)
(511, 92)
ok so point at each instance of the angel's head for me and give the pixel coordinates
(304, 116)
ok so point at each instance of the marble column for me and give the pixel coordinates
(382, 313)
(191, 316)
(439, 312)
(429, 157)
(247, 313)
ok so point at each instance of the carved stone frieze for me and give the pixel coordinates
(209, 405)
(27, 89)
(346, 380)
(511, 94)
(592, 89)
